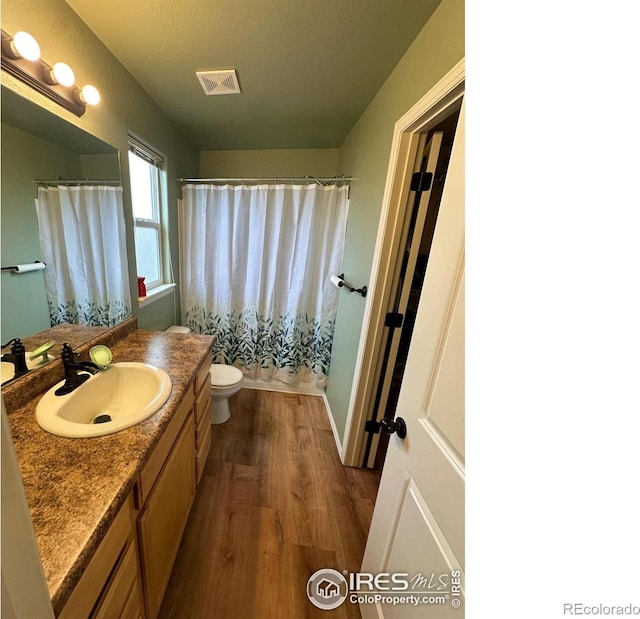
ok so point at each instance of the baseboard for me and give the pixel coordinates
(336, 437)
(278, 385)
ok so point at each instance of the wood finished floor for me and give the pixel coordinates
(274, 505)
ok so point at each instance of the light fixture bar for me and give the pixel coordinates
(32, 73)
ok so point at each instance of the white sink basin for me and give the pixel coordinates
(127, 392)
(7, 370)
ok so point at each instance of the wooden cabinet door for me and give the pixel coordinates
(162, 522)
(123, 598)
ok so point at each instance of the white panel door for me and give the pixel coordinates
(418, 522)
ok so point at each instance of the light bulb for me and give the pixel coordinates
(26, 46)
(89, 94)
(63, 74)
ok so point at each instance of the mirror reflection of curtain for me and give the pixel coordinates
(82, 237)
(255, 267)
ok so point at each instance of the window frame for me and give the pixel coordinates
(155, 160)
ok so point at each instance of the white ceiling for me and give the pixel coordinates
(307, 68)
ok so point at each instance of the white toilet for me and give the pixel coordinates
(225, 381)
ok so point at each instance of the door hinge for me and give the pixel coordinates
(372, 426)
(421, 181)
(393, 320)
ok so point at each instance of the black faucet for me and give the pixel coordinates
(72, 365)
(18, 357)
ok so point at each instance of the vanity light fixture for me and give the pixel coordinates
(21, 58)
(63, 74)
(22, 45)
(89, 94)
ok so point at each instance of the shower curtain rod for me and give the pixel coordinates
(53, 183)
(321, 180)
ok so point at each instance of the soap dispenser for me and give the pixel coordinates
(142, 289)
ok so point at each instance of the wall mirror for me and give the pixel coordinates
(37, 144)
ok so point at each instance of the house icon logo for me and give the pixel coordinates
(327, 589)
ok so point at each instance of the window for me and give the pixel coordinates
(145, 168)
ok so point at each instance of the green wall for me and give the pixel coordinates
(124, 107)
(365, 156)
(24, 158)
(101, 167)
(276, 162)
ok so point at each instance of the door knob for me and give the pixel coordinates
(396, 425)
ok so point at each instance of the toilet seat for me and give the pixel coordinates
(224, 375)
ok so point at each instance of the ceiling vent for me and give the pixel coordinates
(219, 82)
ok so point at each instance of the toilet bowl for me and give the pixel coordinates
(225, 381)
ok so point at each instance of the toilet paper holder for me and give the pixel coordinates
(338, 282)
(38, 265)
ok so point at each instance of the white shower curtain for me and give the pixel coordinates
(82, 237)
(255, 267)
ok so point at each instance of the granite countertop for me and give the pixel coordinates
(75, 335)
(75, 487)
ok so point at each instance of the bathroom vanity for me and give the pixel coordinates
(109, 511)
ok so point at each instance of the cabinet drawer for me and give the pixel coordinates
(202, 406)
(95, 577)
(204, 428)
(202, 378)
(162, 521)
(124, 582)
(204, 436)
(153, 466)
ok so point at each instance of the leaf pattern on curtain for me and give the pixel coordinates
(289, 348)
(88, 313)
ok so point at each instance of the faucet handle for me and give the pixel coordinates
(68, 354)
(17, 347)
